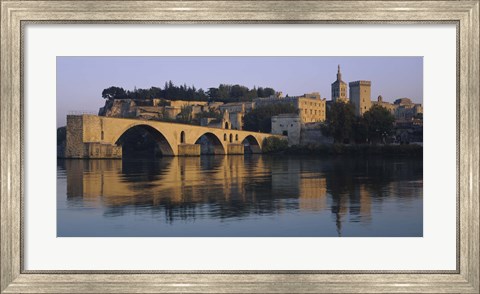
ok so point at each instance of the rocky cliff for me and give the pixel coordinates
(119, 108)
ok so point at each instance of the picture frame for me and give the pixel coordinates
(15, 14)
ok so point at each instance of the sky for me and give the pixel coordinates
(81, 79)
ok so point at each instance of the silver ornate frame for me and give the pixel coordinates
(14, 14)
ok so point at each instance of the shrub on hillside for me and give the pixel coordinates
(274, 144)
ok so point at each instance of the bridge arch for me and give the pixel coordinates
(148, 134)
(251, 145)
(210, 144)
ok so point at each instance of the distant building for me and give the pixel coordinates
(237, 111)
(339, 88)
(406, 110)
(237, 106)
(311, 107)
(360, 96)
(403, 109)
(151, 109)
(287, 125)
(389, 106)
(223, 123)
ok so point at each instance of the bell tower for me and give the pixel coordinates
(339, 88)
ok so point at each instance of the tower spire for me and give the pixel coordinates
(339, 74)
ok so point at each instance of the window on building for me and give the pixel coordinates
(285, 133)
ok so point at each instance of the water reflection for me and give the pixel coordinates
(251, 195)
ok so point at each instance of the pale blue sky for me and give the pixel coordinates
(80, 80)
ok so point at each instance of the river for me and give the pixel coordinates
(240, 196)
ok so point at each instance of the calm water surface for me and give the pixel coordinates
(240, 196)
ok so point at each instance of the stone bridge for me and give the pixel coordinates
(92, 136)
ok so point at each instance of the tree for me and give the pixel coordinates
(114, 93)
(360, 131)
(269, 92)
(224, 93)
(340, 121)
(379, 122)
(274, 144)
(259, 119)
(260, 92)
(213, 94)
(237, 93)
(61, 135)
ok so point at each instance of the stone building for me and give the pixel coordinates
(151, 109)
(403, 109)
(223, 123)
(237, 107)
(311, 107)
(339, 88)
(288, 124)
(389, 106)
(406, 110)
(237, 111)
(360, 96)
(236, 120)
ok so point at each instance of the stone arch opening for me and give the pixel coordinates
(143, 141)
(226, 125)
(182, 137)
(236, 137)
(210, 144)
(251, 145)
(231, 138)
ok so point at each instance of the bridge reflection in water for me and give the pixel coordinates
(242, 196)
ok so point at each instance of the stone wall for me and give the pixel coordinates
(287, 125)
(233, 149)
(99, 150)
(80, 127)
(314, 136)
(189, 150)
(74, 145)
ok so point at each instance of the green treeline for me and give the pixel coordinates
(224, 93)
(259, 119)
(375, 126)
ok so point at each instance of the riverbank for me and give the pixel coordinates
(411, 150)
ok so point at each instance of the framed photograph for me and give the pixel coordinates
(239, 146)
